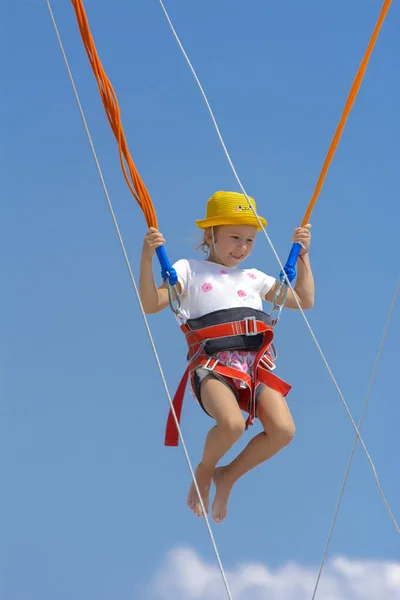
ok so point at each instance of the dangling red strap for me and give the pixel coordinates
(267, 341)
(249, 421)
(171, 433)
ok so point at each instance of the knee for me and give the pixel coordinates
(283, 432)
(233, 426)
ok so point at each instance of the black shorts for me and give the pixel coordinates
(243, 403)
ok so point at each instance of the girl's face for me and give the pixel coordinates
(232, 244)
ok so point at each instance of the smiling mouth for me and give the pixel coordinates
(236, 257)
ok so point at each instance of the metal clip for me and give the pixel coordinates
(273, 353)
(176, 309)
(278, 306)
(199, 351)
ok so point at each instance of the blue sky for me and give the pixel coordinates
(92, 502)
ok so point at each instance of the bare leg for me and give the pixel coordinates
(279, 430)
(220, 402)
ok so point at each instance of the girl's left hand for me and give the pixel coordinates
(302, 235)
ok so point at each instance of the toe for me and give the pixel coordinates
(198, 511)
(218, 517)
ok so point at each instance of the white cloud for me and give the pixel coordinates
(185, 576)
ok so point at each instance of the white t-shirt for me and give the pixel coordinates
(208, 286)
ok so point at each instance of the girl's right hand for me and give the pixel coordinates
(152, 240)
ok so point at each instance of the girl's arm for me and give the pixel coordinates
(153, 299)
(304, 287)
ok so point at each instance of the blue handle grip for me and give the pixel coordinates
(167, 270)
(290, 267)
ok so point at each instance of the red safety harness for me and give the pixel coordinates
(227, 334)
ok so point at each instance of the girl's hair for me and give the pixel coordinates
(203, 246)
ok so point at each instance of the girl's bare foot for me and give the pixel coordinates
(203, 478)
(223, 489)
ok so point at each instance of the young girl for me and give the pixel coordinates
(218, 286)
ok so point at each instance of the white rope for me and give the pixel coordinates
(374, 370)
(139, 300)
(280, 264)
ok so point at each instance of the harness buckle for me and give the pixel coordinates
(269, 364)
(247, 320)
(211, 363)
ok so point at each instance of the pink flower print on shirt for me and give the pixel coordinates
(223, 272)
(241, 293)
(207, 287)
(252, 276)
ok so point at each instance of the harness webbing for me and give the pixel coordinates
(199, 357)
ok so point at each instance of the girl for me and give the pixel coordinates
(216, 287)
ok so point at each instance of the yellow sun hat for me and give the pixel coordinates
(230, 208)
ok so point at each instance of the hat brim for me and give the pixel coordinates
(215, 221)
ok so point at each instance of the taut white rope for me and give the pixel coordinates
(139, 301)
(280, 264)
(374, 370)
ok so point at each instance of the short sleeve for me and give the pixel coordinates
(266, 283)
(182, 270)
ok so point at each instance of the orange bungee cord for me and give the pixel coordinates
(111, 107)
(290, 267)
(134, 180)
(348, 106)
